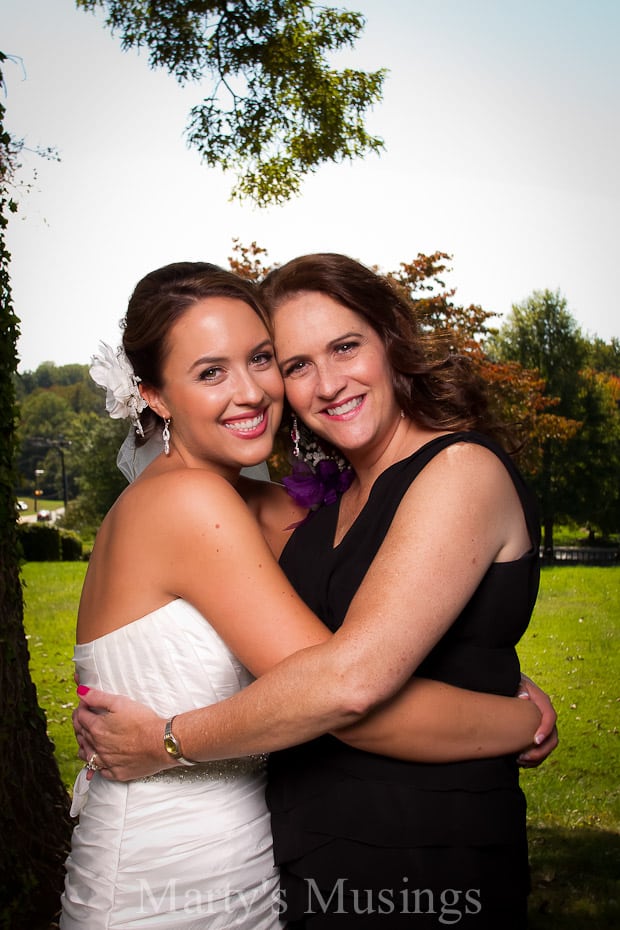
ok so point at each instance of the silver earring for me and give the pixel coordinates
(295, 437)
(165, 435)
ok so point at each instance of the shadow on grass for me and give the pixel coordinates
(575, 879)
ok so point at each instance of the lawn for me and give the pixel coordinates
(571, 649)
(51, 596)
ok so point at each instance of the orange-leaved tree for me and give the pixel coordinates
(517, 393)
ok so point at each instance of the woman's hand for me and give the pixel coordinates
(546, 738)
(127, 737)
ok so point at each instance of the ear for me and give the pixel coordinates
(155, 401)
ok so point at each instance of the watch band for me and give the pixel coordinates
(172, 745)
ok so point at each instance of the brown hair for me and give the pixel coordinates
(435, 388)
(159, 300)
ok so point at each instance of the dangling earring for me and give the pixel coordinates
(165, 435)
(295, 437)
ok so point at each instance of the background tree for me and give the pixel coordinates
(517, 393)
(53, 400)
(276, 110)
(423, 280)
(541, 335)
(604, 356)
(72, 382)
(44, 418)
(249, 261)
(95, 441)
(595, 450)
(34, 821)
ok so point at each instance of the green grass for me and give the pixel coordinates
(51, 597)
(571, 650)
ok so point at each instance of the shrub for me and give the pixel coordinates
(70, 546)
(39, 542)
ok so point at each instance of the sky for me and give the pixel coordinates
(501, 122)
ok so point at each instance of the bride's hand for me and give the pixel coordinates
(126, 737)
(546, 738)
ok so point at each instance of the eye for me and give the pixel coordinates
(342, 348)
(211, 374)
(262, 359)
(294, 368)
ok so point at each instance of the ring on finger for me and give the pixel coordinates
(93, 764)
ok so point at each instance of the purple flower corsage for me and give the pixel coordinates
(311, 487)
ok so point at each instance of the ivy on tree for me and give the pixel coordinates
(276, 110)
(34, 807)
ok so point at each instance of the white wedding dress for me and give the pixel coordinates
(189, 848)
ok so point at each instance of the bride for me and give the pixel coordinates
(192, 847)
(183, 596)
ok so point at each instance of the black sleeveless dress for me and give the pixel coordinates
(367, 841)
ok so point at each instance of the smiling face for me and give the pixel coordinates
(221, 386)
(336, 373)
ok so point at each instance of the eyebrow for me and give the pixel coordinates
(219, 359)
(207, 360)
(333, 342)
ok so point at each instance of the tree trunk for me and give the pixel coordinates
(547, 503)
(548, 540)
(34, 820)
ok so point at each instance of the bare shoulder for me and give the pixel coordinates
(183, 485)
(186, 499)
(467, 463)
(466, 491)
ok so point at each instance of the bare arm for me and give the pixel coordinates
(430, 721)
(401, 611)
(426, 720)
(337, 689)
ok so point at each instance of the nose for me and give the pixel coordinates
(330, 381)
(248, 390)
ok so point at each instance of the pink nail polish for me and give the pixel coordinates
(82, 689)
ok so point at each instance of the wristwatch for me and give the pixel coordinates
(172, 745)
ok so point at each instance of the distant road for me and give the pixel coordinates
(32, 517)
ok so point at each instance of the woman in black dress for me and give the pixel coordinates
(428, 844)
(432, 555)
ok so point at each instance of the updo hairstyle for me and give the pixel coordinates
(158, 301)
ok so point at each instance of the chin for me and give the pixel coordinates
(257, 453)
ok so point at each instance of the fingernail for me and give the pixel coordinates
(539, 738)
(82, 689)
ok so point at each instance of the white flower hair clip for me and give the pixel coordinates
(113, 371)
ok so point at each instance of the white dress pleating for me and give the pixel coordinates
(189, 848)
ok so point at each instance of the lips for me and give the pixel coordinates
(348, 406)
(248, 427)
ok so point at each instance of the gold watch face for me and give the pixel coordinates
(171, 746)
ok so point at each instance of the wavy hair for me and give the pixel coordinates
(436, 388)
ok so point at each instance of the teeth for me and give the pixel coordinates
(246, 425)
(344, 408)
